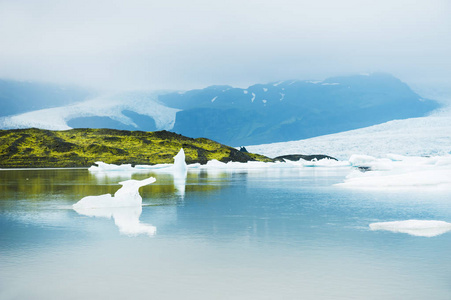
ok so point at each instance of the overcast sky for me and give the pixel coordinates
(181, 44)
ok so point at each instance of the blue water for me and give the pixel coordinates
(274, 234)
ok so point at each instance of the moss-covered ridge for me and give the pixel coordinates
(25, 148)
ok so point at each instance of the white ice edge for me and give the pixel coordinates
(424, 228)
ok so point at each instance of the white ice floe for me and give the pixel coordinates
(396, 171)
(127, 195)
(426, 228)
(124, 207)
(103, 167)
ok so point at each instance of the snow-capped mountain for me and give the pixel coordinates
(423, 136)
(261, 113)
(293, 110)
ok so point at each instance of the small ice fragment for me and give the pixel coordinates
(180, 168)
(426, 228)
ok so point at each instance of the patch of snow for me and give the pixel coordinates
(253, 97)
(278, 83)
(213, 100)
(425, 228)
(282, 95)
(264, 101)
(314, 81)
(265, 90)
(330, 83)
(245, 92)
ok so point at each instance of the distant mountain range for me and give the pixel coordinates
(261, 113)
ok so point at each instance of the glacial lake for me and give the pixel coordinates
(262, 234)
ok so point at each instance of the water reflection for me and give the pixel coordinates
(125, 218)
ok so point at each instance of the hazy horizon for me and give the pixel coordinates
(177, 45)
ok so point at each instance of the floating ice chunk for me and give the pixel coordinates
(180, 167)
(103, 167)
(124, 207)
(127, 195)
(180, 171)
(426, 228)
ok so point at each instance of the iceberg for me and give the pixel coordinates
(425, 228)
(180, 168)
(128, 195)
(103, 167)
(125, 207)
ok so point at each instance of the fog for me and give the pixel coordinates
(177, 44)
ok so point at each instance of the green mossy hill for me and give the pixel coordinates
(27, 148)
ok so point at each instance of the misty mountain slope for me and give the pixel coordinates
(261, 113)
(18, 97)
(416, 136)
(125, 111)
(291, 110)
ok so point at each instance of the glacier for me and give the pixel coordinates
(422, 136)
(111, 106)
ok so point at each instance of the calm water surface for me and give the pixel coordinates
(274, 234)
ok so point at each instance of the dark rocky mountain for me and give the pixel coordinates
(293, 110)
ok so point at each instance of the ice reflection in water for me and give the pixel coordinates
(125, 218)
